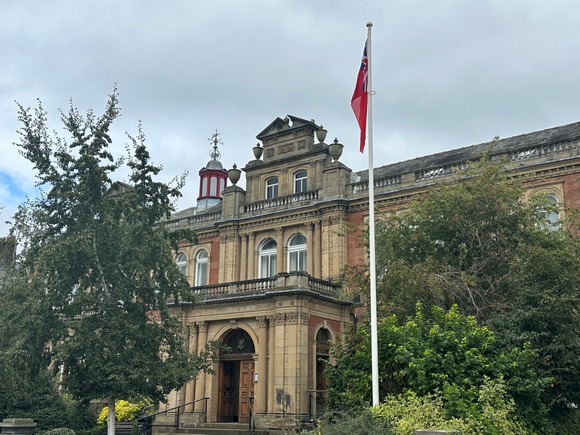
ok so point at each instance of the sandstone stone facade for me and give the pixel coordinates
(267, 267)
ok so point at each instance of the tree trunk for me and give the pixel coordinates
(111, 418)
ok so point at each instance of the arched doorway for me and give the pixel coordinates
(236, 373)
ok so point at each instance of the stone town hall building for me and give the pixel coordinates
(267, 265)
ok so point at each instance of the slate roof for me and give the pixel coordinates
(565, 133)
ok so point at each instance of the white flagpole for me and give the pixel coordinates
(372, 266)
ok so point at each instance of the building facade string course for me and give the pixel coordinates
(267, 267)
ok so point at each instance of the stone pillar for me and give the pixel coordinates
(200, 383)
(317, 251)
(244, 257)
(190, 386)
(309, 249)
(262, 367)
(18, 426)
(280, 260)
(251, 256)
(271, 361)
(280, 355)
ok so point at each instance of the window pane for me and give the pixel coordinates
(300, 182)
(181, 263)
(272, 188)
(297, 254)
(201, 268)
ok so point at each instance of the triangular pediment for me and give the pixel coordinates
(288, 124)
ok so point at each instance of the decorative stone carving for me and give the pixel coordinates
(335, 150)
(262, 321)
(321, 134)
(279, 318)
(258, 150)
(284, 149)
(234, 174)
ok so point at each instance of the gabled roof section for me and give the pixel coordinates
(288, 124)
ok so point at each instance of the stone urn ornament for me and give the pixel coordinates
(335, 150)
(258, 150)
(321, 134)
(234, 174)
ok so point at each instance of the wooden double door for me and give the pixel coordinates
(236, 390)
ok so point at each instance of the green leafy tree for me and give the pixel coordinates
(445, 353)
(97, 261)
(477, 242)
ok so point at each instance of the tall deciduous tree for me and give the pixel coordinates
(477, 242)
(98, 260)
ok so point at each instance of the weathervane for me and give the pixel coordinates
(215, 139)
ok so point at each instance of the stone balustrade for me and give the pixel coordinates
(281, 283)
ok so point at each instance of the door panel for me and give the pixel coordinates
(228, 392)
(246, 390)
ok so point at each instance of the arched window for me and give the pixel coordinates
(272, 188)
(552, 213)
(297, 253)
(181, 263)
(300, 182)
(201, 260)
(267, 262)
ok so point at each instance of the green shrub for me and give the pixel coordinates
(361, 424)
(60, 431)
(493, 414)
(126, 411)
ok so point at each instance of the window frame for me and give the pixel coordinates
(272, 187)
(201, 268)
(268, 259)
(300, 181)
(181, 263)
(297, 253)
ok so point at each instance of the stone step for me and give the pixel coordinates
(212, 429)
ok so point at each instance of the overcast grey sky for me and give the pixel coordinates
(447, 73)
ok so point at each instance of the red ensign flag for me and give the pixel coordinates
(360, 97)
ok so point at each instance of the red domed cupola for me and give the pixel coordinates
(212, 178)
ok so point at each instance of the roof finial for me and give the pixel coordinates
(215, 139)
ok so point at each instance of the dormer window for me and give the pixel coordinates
(300, 182)
(272, 188)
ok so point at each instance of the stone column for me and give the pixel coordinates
(271, 361)
(251, 256)
(280, 260)
(190, 386)
(310, 250)
(262, 367)
(279, 393)
(244, 257)
(200, 383)
(317, 251)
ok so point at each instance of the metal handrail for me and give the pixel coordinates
(146, 418)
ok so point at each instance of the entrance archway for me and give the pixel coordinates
(236, 374)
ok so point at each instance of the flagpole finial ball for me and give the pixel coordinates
(369, 24)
